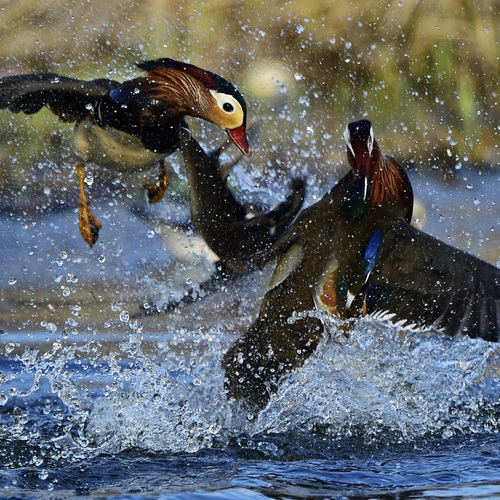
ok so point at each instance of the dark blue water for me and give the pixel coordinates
(104, 406)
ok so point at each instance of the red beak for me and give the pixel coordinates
(239, 137)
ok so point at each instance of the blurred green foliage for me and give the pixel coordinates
(426, 73)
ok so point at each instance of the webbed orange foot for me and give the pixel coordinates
(89, 226)
(157, 190)
(87, 222)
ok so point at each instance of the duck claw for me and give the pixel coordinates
(89, 226)
(157, 190)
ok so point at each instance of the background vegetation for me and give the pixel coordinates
(425, 72)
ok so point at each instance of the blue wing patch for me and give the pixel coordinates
(372, 249)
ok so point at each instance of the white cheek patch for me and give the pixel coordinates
(228, 119)
(347, 139)
(371, 139)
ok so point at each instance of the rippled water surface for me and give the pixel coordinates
(95, 403)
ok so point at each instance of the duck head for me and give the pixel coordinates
(384, 180)
(193, 91)
(363, 150)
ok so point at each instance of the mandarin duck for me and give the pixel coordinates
(238, 237)
(355, 253)
(130, 126)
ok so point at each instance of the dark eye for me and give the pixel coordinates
(228, 107)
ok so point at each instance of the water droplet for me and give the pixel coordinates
(12, 281)
(124, 316)
(101, 259)
(72, 322)
(89, 179)
(9, 347)
(214, 429)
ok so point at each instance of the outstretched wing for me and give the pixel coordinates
(239, 239)
(420, 280)
(69, 98)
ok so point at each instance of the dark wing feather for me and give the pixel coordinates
(429, 283)
(237, 239)
(275, 222)
(68, 98)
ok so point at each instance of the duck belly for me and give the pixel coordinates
(112, 148)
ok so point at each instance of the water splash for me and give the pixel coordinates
(386, 383)
(172, 404)
(379, 384)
